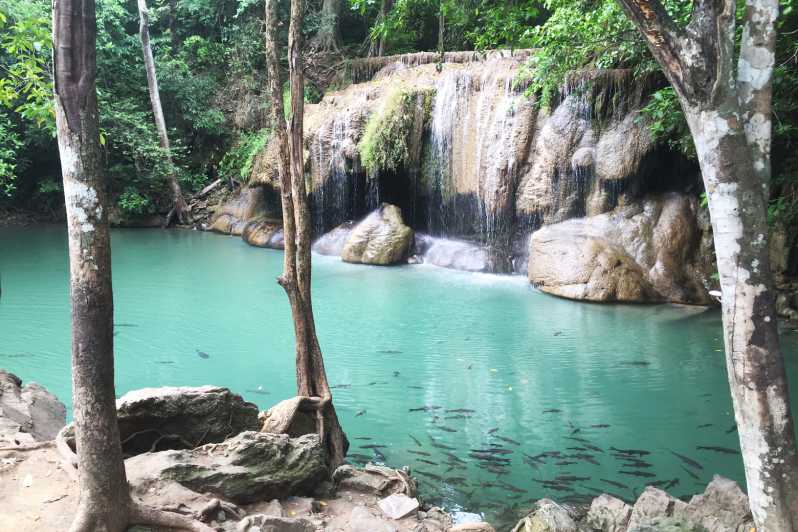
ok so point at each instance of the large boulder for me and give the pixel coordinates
(249, 467)
(181, 417)
(381, 238)
(646, 252)
(547, 517)
(608, 514)
(723, 507)
(332, 243)
(28, 413)
(245, 205)
(375, 480)
(655, 508)
(264, 233)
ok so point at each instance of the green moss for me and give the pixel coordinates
(387, 139)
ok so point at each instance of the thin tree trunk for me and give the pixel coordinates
(105, 504)
(296, 278)
(377, 48)
(730, 121)
(179, 207)
(173, 41)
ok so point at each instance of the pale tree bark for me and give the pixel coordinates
(179, 207)
(311, 376)
(105, 504)
(328, 37)
(728, 110)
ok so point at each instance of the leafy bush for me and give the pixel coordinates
(237, 163)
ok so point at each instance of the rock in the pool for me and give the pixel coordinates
(382, 238)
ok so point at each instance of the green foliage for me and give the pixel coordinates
(667, 123)
(237, 163)
(131, 201)
(386, 140)
(10, 144)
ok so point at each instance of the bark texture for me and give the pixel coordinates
(729, 114)
(179, 207)
(328, 37)
(377, 47)
(105, 504)
(311, 376)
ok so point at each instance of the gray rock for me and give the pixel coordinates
(723, 507)
(181, 417)
(652, 507)
(246, 204)
(374, 480)
(397, 505)
(264, 233)
(274, 509)
(472, 527)
(547, 517)
(608, 514)
(361, 520)
(270, 523)
(246, 468)
(639, 253)
(332, 243)
(28, 413)
(382, 238)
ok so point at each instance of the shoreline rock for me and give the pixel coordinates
(28, 413)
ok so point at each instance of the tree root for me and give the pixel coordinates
(28, 446)
(69, 460)
(146, 515)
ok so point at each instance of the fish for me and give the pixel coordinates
(259, 392)
(600, 426)
(593, 448)
(493, 430)
(637, 464)
(705, 425)
(363, 438)
(372, 383)
(425, 408)
(458, 416)
(508, 440)
(724, 450)
(586, 457)
(125, 325)
(576, 448)
(552, 411)
(378, 454)
(511, 488)
(341, 386)
(457, 481)
(494, 450)
(614, 483)
(454, 458)
(489, 458)
(395, 373)
(576, 431)
(203, 354)
(565, 463)
(438, 445)
(570, 478)
(420, 453)
(373, 446)
(430, 462)
(636, 363)
(696, 477)
(415, 440)
(172, 362)
(433, 476)
(557, 333)
(460, 411)
(389, 351)
(415, 387)
(687, 460)
(360, 413)
(637, 452)
(643, 474)
(732, 429)
(576, 438)
(446, 429)
(359, 457)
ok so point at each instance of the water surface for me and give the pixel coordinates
(525, 372)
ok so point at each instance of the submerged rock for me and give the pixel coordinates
(455, 254)
(249, 467)
(28, 413)
(181, 417)
(639, 253)
(264, 233)
(381, 238)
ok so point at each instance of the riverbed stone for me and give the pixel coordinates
(264, 233)
(375, 480)
(181, 417)
(28, 413)
(249, 467)
(723, 507)
(361, 520)
(608, 514)
(382, 238)
(639, 253)
(655, 506)
(547, 517)
(270, 523)
(397, 505)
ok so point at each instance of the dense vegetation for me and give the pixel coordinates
(209, 57)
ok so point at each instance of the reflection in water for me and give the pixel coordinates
(493, 393)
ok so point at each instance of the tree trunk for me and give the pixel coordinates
(174, 43)
(179, 207)
(377, 47)
(105, 504)
(296, 278)
(730, 121)
(328, 37)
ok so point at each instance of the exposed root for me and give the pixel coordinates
(64, 449)
(145, 515)
(28, 446)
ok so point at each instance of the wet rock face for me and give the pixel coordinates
(264, 233)
(249, 467)
(181, 417)
(641, 253)
(381, 238)
(247, 204)
(28, 413)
